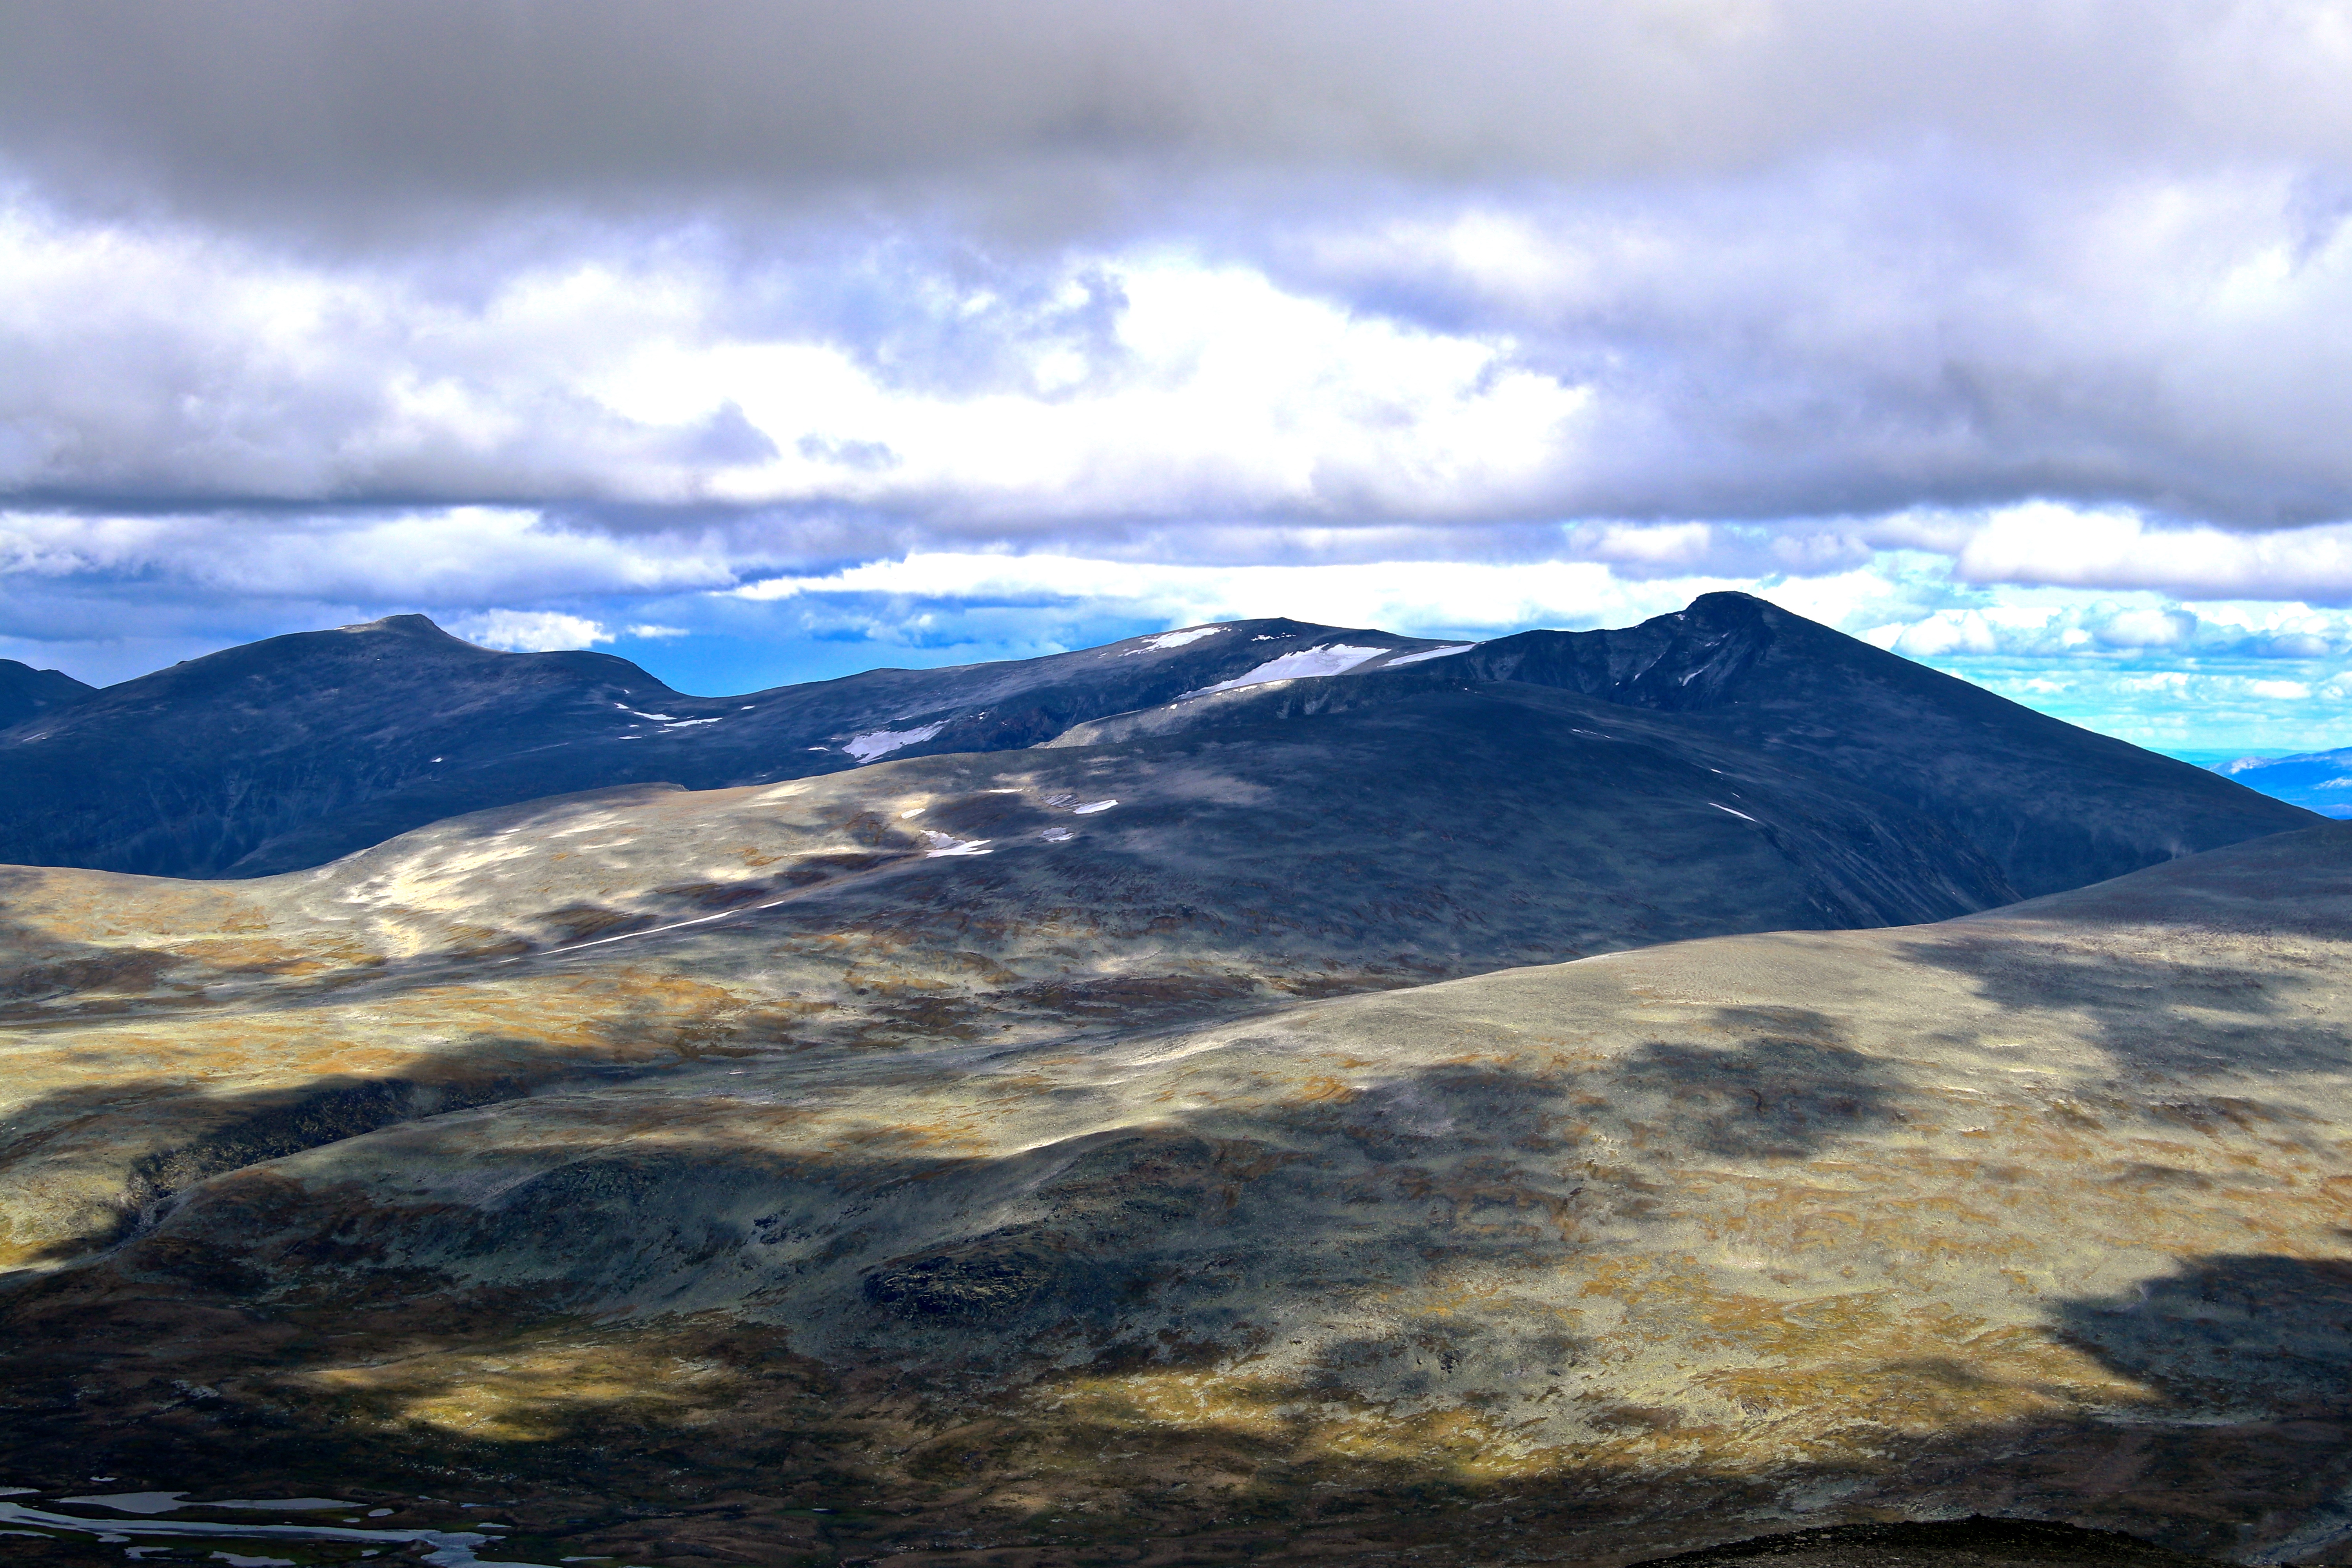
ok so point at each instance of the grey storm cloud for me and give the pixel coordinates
(318, 103)
(1732, 259)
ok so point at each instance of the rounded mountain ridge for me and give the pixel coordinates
(291, 752)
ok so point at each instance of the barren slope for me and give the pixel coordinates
(2037, 1212)
(1271, 854)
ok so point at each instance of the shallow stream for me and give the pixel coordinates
(448, 1548)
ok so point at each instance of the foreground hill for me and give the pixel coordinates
(290, 753)
(834, 1169)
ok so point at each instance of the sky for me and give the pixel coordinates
(761, 341)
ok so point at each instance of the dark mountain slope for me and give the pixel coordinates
(291, 752)
(26, 692)
(181, 772)
(1521, 792)
(2053, 805)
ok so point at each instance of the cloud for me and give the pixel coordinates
(946, 274)
(2112, 549)
(529, 631)
(169, 366)
(460, 556)
(2099, 626)
(1404, 596)
(437, 102)
(1735, 353)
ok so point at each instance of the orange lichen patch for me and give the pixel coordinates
(886, 1140)
(528, 1394)
(24, 1246)
(1907, 1375)
(86, 906)
(268, 954)
(1475, 1190)
(1323, 1429)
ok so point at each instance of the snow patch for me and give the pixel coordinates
(875, 743)
(1057, 836)
(142, 1502)
(1173, 639)
(943, 844)
(1429, 653)
(1337, 660)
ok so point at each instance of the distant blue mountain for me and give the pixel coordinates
(2316, 781)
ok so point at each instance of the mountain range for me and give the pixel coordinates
(290, 752)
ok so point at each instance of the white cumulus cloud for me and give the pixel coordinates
(1395, 594)
(529, 631)
(2046, 542)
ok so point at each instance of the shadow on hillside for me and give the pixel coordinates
(2221, 1334)
(40, 965)
(1466, 840)
(2137, 1007)
(1788, 1089)
(156, 1138)
(1077, 1340)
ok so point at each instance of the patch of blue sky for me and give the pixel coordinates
(2214, 707)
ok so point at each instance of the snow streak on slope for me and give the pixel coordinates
(1431, 653)
(1173, 639)
(873, 743)
(1337, 660)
